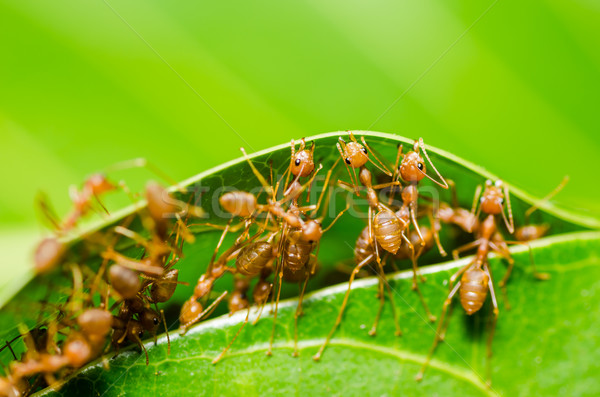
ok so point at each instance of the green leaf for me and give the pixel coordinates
(550, 327)
(336, 247)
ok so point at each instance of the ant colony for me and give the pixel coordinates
(271, 236)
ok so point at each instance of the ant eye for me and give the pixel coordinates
(297, 162)
(347, 160)
(420, 166)
(364, 150)
(155, 321)
(141, 333)
(310, 241)
(501, 201)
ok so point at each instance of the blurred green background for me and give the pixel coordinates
(508, 85)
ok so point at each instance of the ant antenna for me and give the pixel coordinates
(557, 189)
(341, 147)
(475, 206)
(381, 166)
(444, 184)
(509, 225)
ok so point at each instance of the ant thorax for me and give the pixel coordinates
(410, 194)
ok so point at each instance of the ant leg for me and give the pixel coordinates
(453, 193)
(392, 302)
(493, 326)
(298, 313)
(413, 260)
(214, 255)
(162, 314)
(262, 306)
(557, 189)
(466, 247)
(139, 341)
(338, 320)
(211, 308)
(131, 264)
(387, 184)
(133, 236)
(435, 228)
(456, 275)
(325, 186)
(48, 211)
(441, 330)
(143, 163)
(381, 296)
(503, 252)
(415, 285)
(395, 173)
(421, 244)
(268, 188)
(280, 276)
(536, 274)
(220, 356)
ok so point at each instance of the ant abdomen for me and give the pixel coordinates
(95, 322)
(296, 252)
(261, 291)
(48, 254)
(388, 228)
(190, 311)
(531, 232)
(253, 258)
(473, 289)
(238, 203)
(125, 281)
(363, 247)
(163, 290)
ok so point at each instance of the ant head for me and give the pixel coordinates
(95, 322)
(238, 203)
(303, 163)
(48, 254)
(77, 350)
(125, 281)
(412, 168)
(311, 231)
(190, 311)
(135, 330)
(98, 184)
(492, 199)
(355, 154)
(150, 320)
